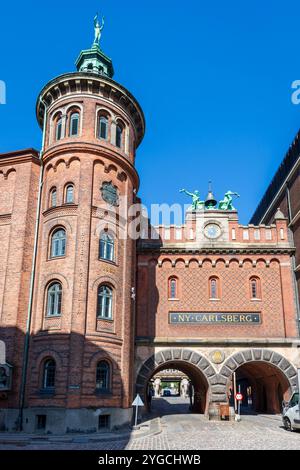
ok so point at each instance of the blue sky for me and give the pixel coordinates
(213, 78)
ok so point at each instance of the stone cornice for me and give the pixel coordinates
(20, 156)
(65, 209)
(90, 83)
(217, 250)
(161, 341)
(97, 150)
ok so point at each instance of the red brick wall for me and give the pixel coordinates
(18, 201)
(276, 304)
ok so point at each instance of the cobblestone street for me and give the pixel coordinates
(181, 430)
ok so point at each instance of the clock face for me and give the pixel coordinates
(212, 231)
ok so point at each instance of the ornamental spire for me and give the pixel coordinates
(93, 60)
(98, 30)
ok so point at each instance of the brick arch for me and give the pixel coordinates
(104, 279)
(178, 356)
(48, 354)
(267, 356)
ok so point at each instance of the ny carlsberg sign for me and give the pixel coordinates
(214, 317)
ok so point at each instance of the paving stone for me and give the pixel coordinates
(180, 430)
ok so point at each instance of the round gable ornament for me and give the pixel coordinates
(217, 356)
(110, 193)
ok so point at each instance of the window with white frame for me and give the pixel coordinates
(74, 124)
(49, 370)
(103, 127)
(58, 243)
(54, 296)
(106, 248)
(104, 303)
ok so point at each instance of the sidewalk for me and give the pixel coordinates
(147, 428)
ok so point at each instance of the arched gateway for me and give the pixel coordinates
(266, 370)
(193, 364)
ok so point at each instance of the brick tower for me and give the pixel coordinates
(80, 348)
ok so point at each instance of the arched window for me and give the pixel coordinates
(255, 288)
(53, 197)
(58, 129)
(104, 303)
(119, 135)
(173, 288)
(103, 376)
(74, 124)
(54, 296)
(103, 128)
(58, 243)
(49, 373)
(213, 288)
(106, 248)
(69, 198)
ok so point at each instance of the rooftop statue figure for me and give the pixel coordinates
(98, 30)
(226, 203)
(196, 201)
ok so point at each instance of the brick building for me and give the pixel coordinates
(89, 316)
(219, 298)
(283, 192)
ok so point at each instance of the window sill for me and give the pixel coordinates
(171, 298)
(104, 393)
(215, 300)
(47, 392)
(53, 258)
(105, 319)
(255, 300)
(108, 261)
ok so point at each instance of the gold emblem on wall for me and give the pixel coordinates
(217, 356)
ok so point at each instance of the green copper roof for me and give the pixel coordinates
(95, 61)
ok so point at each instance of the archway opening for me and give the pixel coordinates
(263, 386)
(176, 387)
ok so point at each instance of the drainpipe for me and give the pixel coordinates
(296, 290)
(32, 279)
